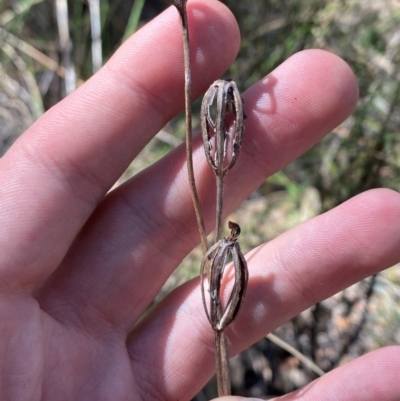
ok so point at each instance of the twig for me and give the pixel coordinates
(297, 354)
(181, 6)
(222, 364)
(32, 52)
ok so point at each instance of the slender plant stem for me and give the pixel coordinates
(221, 344)
(226, 92)
(222, 362)
(219, 207)
(189, 146)
(297, 354)
(220, 139)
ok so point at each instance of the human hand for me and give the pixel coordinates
(78, 267)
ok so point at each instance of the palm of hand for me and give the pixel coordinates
(49, 360)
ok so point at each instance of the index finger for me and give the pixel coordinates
(57, 172)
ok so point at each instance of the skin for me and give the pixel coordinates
(78, 267)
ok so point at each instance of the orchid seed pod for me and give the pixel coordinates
(229, 106)
(220, 252)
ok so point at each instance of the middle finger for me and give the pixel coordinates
(143, 229)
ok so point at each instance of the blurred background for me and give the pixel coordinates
(48, 48)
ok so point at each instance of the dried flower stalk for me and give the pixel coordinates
(226, 130)
(228, 104)
(181, 7)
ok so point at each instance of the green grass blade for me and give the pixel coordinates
(134, 18)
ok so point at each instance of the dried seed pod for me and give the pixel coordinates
(228, 103)
(219, 253)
